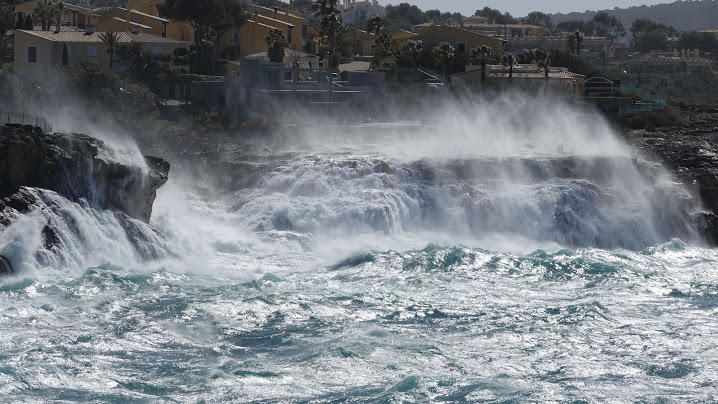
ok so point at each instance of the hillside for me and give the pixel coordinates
(683, 15)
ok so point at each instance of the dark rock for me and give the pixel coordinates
(77, 167)
(690, 150)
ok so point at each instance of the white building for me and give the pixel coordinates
(354, 11)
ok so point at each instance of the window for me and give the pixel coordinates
(236, 37)
(92, 51)
(32, 54)
(287, 76)
(461, 47)
(289, 35)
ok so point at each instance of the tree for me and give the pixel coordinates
(227, 14)
(572, 26)
(276, 42)
(608, 26)
(495, 16)
(443, 55)
(44, 10)
(383, 45)
(510, 62)
(571, 43)
(704, 41)
(480, 56)
(644, 25)
(579, 42)
(540, 19)
(59, 9)
(205, 16)
(331, 25)
(7, 17)
(410, 53)
(651, 40)
(110, 39)
(544, 61)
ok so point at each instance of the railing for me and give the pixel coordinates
(647, 101)
(25, 119)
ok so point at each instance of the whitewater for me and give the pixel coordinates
(501, 252)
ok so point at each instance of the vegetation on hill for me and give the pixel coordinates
(683, 15)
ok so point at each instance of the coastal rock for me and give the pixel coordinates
(690, 150)
(78, 167)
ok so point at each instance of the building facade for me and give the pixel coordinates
(37, 51)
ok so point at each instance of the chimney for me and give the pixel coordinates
(89, 29)
(276, 10)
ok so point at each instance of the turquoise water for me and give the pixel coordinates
(529, 259)
(435, 324)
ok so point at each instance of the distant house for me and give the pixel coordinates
(462, 40)
(355, 11)
(238, 41)
(525, 77)
(123, 19)
(36, 51)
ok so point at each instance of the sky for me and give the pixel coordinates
(519, 8)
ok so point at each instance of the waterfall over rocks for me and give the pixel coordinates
(88, 199)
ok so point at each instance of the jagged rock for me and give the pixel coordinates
(77, 167)
(690, 150)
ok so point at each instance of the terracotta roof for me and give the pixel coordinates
(81, 36)
(439, 29)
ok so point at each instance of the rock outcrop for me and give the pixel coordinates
(78, 167)
(690, 150)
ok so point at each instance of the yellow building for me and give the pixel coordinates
(117, 24)
(462, 40)
(362, 42)
(402, 35)
(36, 51)
(287, 16)
(244, 40)
(158, 25)
(177, 30)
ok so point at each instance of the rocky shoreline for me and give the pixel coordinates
(44, 172)
(690, 150)
(78, 167)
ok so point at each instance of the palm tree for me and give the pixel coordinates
(331, 23)
(375, 25)
(480, 56)
(59, 9)
(44, 10)
(571, 43)
(275, 46)
(579, 42)
(411, 51)
(510, 61)
(110, 39)
(443, 55)
(543, 61)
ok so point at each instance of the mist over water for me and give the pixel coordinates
(512, 250)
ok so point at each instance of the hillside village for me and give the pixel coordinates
(243, 60)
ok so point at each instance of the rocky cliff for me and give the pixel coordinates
(690, 149)
(78, 167)
(77, 184)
